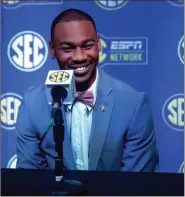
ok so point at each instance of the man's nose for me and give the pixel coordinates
(79, 55)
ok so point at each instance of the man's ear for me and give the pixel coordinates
(51, 49)
(99, 42)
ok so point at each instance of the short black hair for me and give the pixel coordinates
(71, 15)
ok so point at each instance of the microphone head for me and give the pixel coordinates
(63, 78)
(58, 93)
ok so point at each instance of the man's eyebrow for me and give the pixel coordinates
(89, 40)
(73, 44)
(66, 43)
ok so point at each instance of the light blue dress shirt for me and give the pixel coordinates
(79, 121)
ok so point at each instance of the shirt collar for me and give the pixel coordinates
(92, 88)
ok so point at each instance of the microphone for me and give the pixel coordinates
(63, 78)
(59, 94)
(60, 90)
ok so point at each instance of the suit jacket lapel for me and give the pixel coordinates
(101, 118)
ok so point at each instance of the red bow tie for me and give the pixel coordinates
(86, 97)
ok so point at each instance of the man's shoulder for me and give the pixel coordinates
(33, 93)
(120, 85)
(121, 89)
(36, 88)
(128, 97)
(124, 89)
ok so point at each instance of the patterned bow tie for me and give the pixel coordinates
(86, 97)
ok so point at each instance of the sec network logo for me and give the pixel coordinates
(181, 50)
(10, 103)
(123, 51)
(111, 4)
(13, 4)
(178, 3)
(102, 55)
(27, 51)
(173, 112)
(12, 162)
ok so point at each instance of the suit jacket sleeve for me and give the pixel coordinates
(27, 148)
(140, 152)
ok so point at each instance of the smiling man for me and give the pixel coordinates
(76, 45)
(113, 132)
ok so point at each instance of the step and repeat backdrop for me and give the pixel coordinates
(142, 44)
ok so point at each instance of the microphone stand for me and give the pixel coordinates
(62, 187)
(58, 136)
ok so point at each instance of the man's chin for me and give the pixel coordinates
(85, 81)
(80, 80)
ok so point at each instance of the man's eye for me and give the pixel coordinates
(66, 49)
(88, 46)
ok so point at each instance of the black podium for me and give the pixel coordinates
(25, 182)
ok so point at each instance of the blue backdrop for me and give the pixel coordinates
(142, 44)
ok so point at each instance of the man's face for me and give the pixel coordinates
(76, 46)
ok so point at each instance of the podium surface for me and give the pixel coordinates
(29, 182)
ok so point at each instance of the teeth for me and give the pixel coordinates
(81, 68)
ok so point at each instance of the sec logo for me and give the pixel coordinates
(14, 4)
(10, 103)
(173, 112)
(12, 162)
(181, 50)
(59, 77)
(27, 51)
(10, 2)
(111, 4)
(178, 3)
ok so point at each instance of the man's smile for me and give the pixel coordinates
(80, 69)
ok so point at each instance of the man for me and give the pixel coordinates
(115, 132)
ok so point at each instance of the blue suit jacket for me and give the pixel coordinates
(122, 137)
